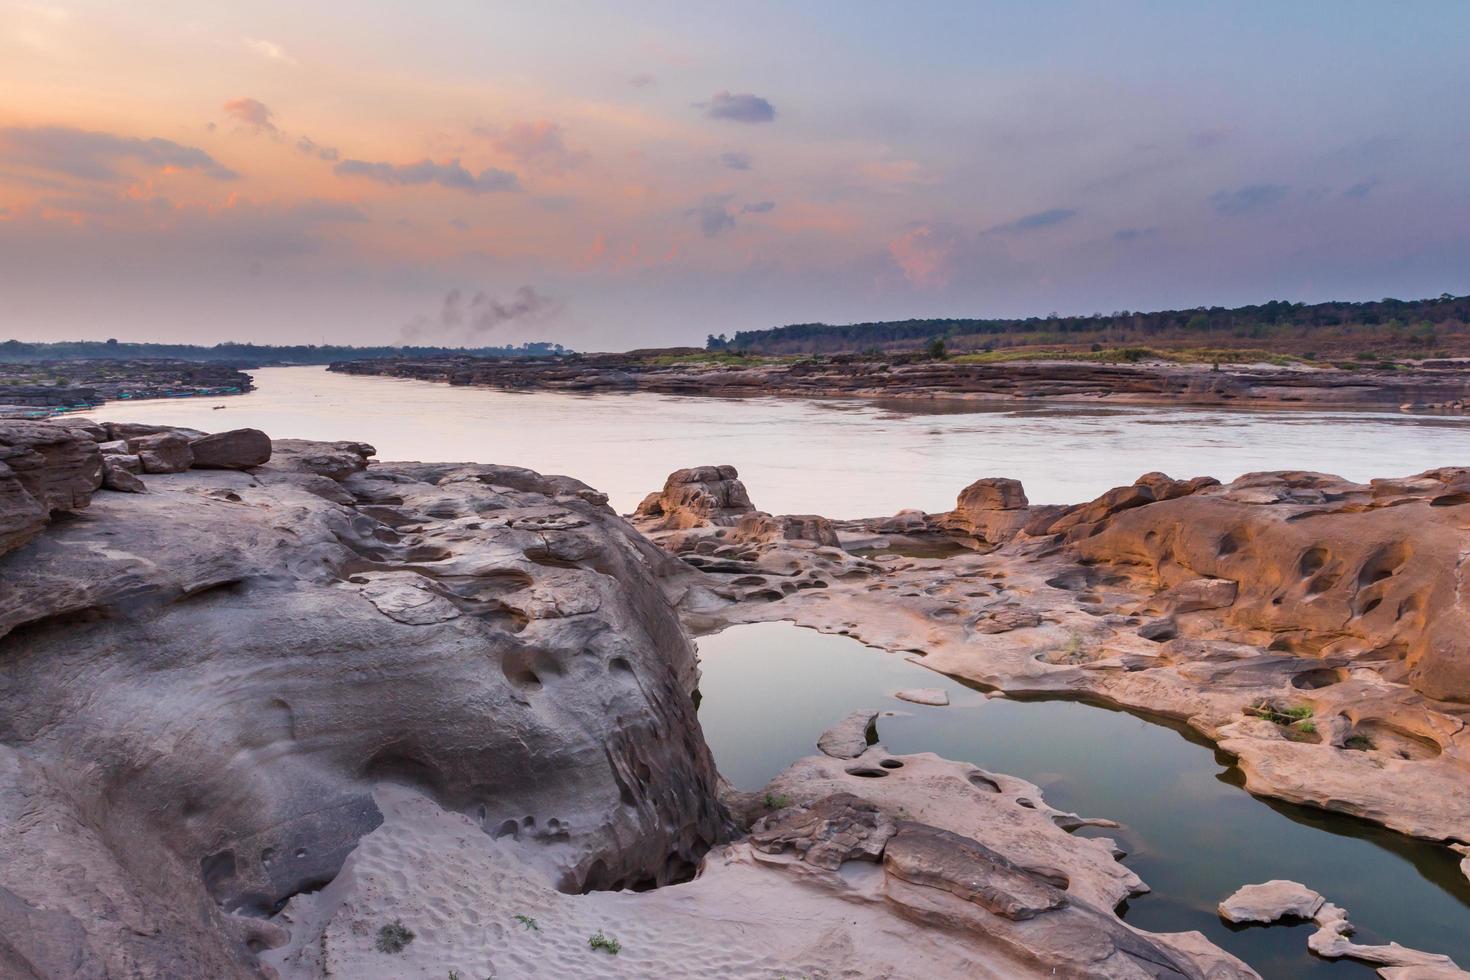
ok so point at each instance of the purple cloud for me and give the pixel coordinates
(94, 156)
(251, 112)
(1251, 197)
(451, 175)
(758, 207)
(714, 215)
(1031, 222)
(736, 160)
(739, 107)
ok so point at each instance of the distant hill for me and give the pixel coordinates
(1427, 327)
(247, 355)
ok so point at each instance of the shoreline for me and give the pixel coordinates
(1438, 390)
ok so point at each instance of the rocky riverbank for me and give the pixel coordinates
(39, 389)
(275, 711)
(1310, 627)
(1431, 386)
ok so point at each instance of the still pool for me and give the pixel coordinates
(769, 689)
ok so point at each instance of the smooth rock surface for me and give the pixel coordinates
(848, 739)
(201, 686)
(237, 449)
(933, 696)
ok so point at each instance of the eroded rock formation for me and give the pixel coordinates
(201, 685)
(1312, 627)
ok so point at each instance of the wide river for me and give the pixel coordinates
(768, 690)
(836, 458)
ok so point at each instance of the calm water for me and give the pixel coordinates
(838, 458)
(768, 690)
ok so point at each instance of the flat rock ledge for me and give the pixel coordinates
(849, 738)
(932, 696)
(1279, 899)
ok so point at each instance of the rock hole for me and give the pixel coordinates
(982, 782)
(868, 773)
(891, 764)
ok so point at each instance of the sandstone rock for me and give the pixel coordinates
(1358, 567)
(992, 493)
(993, 509)
(827, 832)
(92, 430)
(120, 476)
(131, 430)
(699, 496)
(924, 695)
(44, 468)
(162, 452)
(1005, 619)
(1201, 593)
(334, 460)
(238, 449)
(935, 858)
(116, 447)
(246, 661)
(848, 739)
(765, 529)
(1270, 901)
(1276, 900)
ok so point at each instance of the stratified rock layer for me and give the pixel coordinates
(44, 468)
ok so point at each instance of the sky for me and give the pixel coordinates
(613, 176)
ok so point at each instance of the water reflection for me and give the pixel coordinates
(770, 689)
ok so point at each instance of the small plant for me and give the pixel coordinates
(605, 943)
(1361, 743)
(777, 801)
(1307, 725)
(394, 937)
(528, 922)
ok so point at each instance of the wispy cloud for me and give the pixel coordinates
(758, 207)
(739, 107)
(1362, 188)
(1251, 197)
(714, 215)
(472, 317)
(642, 80)
(736, 160)
(451, 175)
(268, 50)
(311, 147)
(1033, 222)
(92, 155)
(1133, 234)
(250, 112)
(538, 144)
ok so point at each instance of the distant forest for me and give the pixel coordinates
(247, 355)
(1427, 327)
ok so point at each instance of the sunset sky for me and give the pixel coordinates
(622, 175)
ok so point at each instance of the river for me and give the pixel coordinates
(839, 458)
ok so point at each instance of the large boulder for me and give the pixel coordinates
(215, 677)
(697, 497)
(238, 449)
(992, 509)
(44, 468)
(162, 452)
